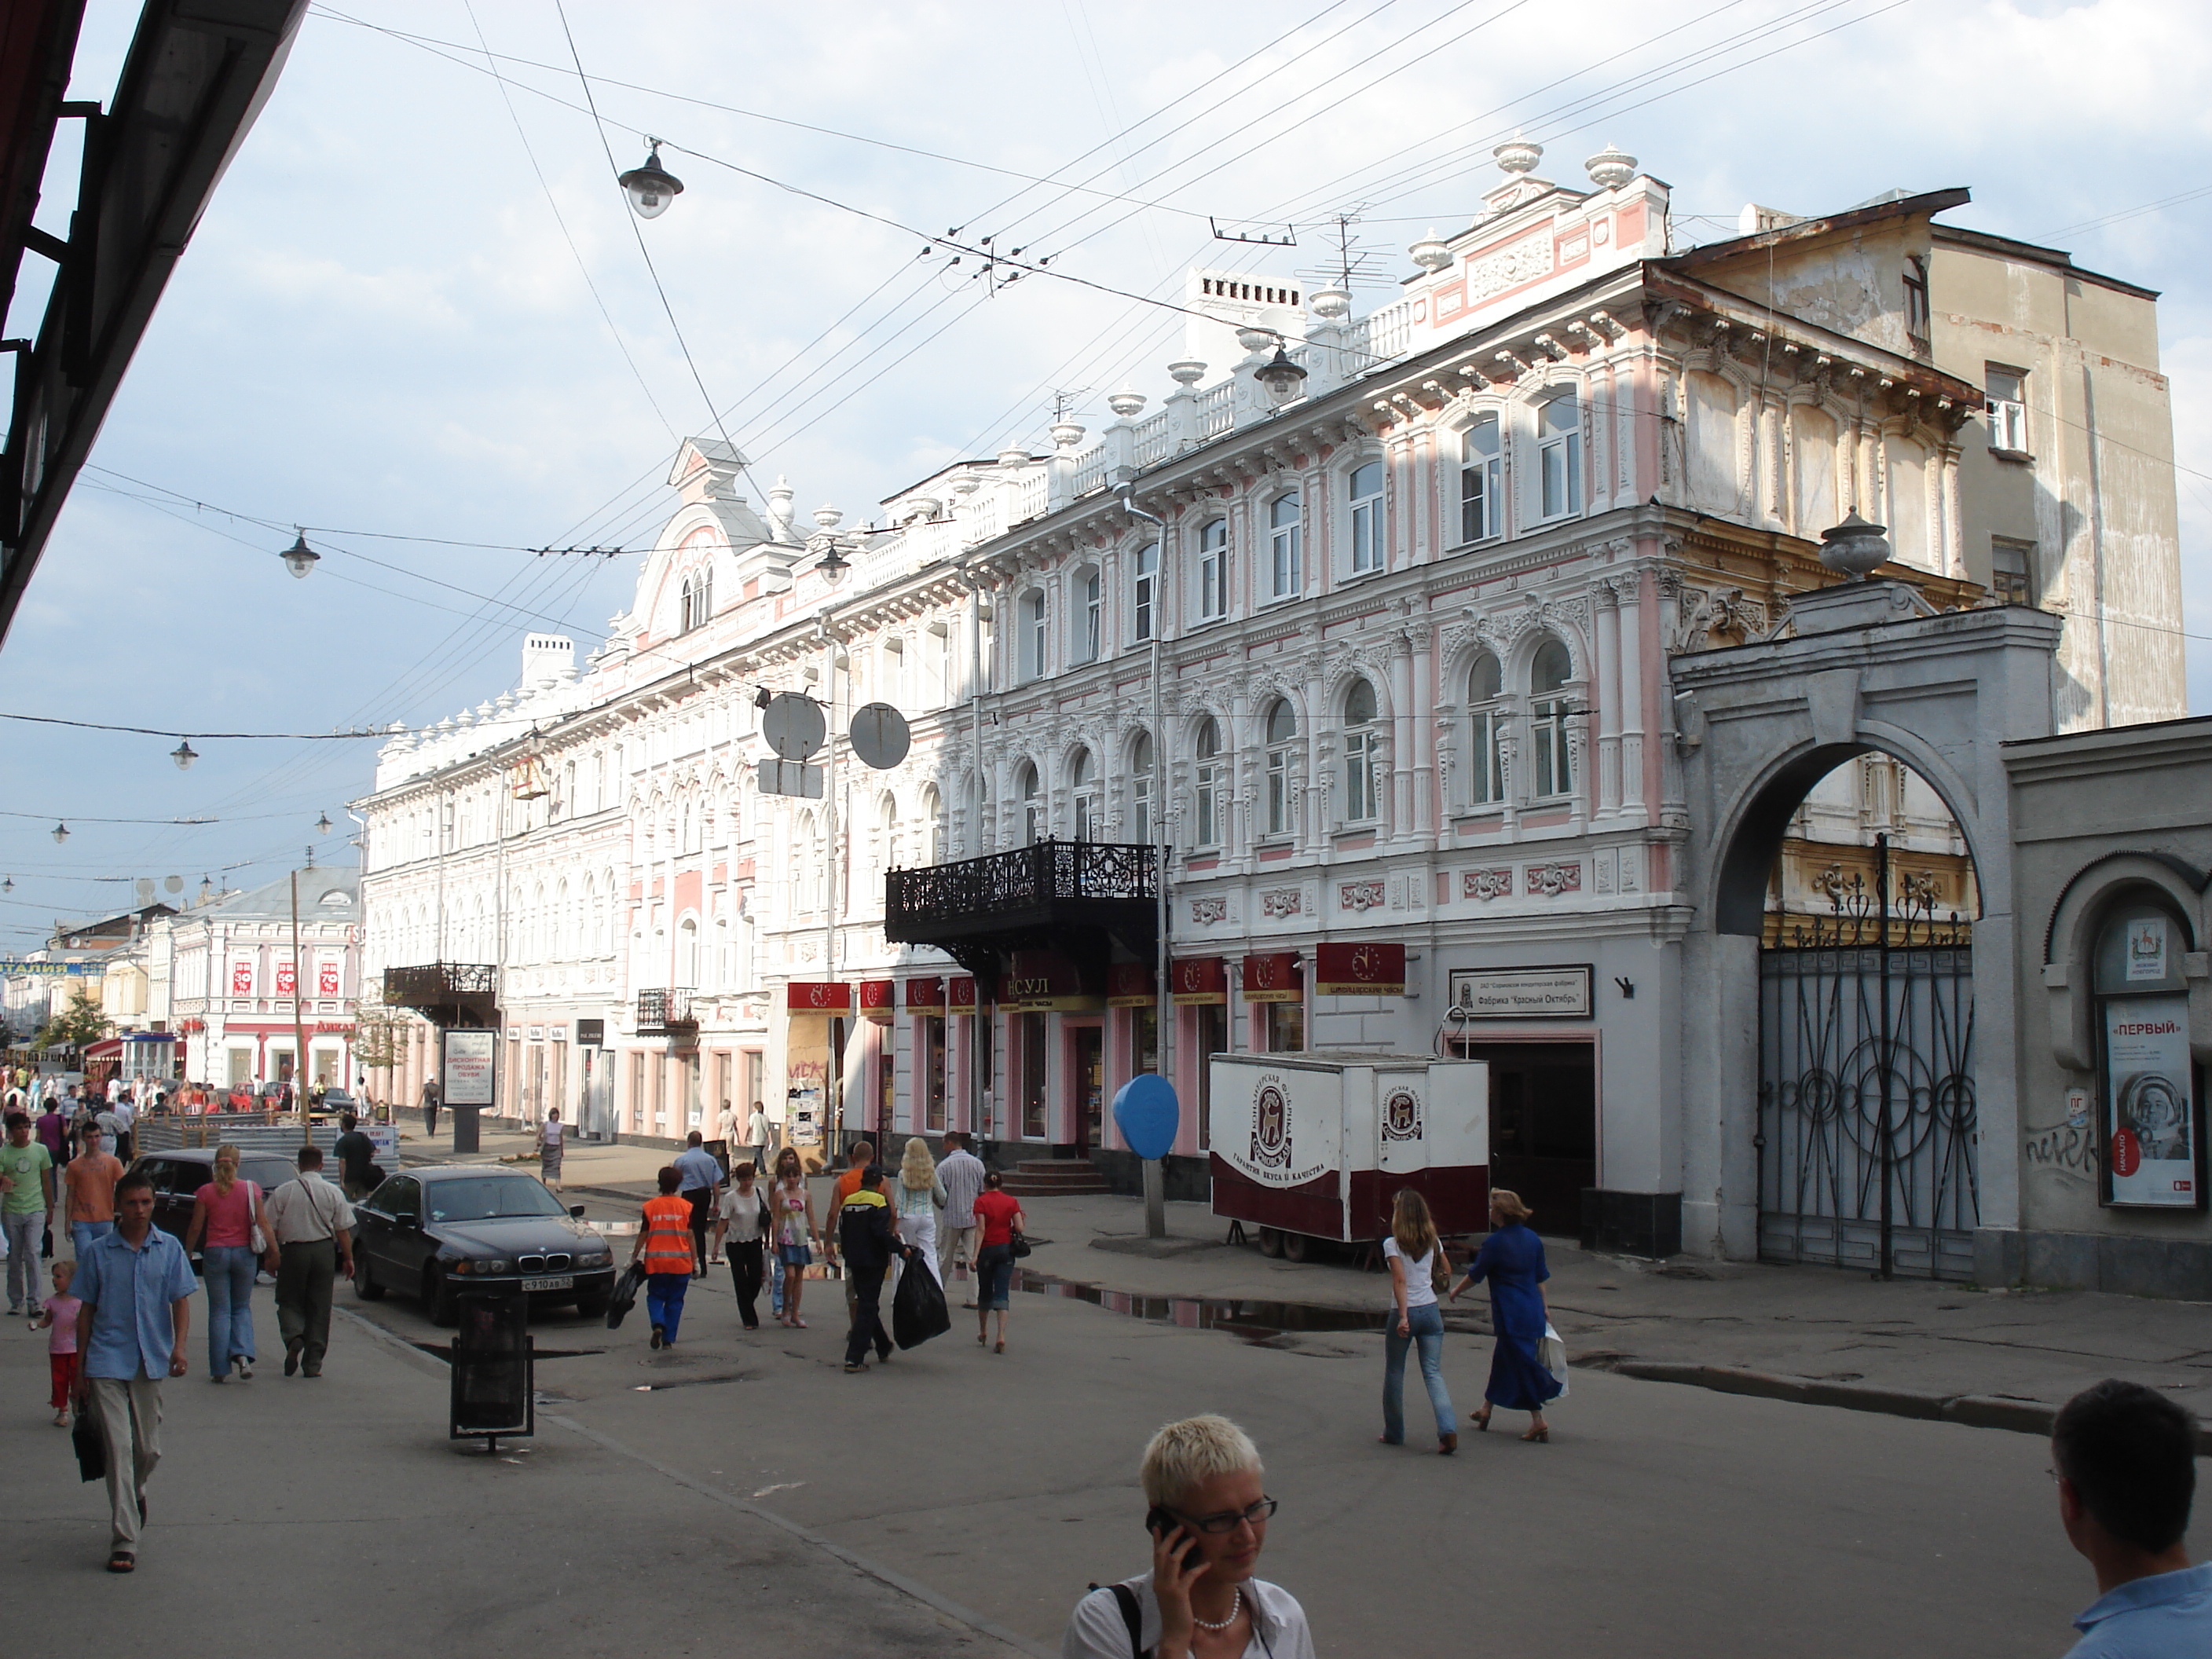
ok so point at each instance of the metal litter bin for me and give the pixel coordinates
(493, 1382)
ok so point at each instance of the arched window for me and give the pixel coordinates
(1140, 790)
(1144, 594)
(1360, 794)
(1082, 781)
(1090, 620)
(1206, 802)
(1481, 481)
(891, 674)
(1212, 570)
(932, 810)
(687, 953)
(703, 595)
(683, 623)
(1485, 751)
(1282, 734)
(808, 864)
(1030, 642)
(2151, 1124)
(1285, 546)
(1560, 455)
(888, 833)
(1025, 786)
(1553, 774)
(1364, 492)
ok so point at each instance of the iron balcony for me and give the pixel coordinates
(666, 1012)
(1029, 896)
(446, 992)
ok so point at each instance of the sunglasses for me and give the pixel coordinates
(1228, 1521)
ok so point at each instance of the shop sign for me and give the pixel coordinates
(1274, 977)
(591, 1033)
(1358, 970)
(2151, 1125)
(818, 997)
(469, 1068)
(960, 998)
(925, 996)
(1044, 981)
(1561, 993)
(1131, 985)
(877, 999)
(1198, 981)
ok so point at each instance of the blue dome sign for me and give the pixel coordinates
(1146, 1109)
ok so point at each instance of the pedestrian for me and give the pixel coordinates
(125, 1116)
(701, 1175)
(228, 1214)
(664, 1243)
(756, 1133)
(549, 1140)
(1208, 1511)
(793, 1208)
(1512, 1260)
(999, 1214)
(1417, 1258)
(90, 1177)
(430, 1098)
(58, 1320)
(51, 1129)
(312, 1226)
(27, 1209)
(744, 1227)
(135, 1282)
(356, 1156)
(868, 1241)
(962, 1172)
(921, 1196)
(2125, 1460)
(725, 1126)
(858, 1158)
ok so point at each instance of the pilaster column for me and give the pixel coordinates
(1635, 793)
(1607, 702)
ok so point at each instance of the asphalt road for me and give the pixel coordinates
(741, 1495)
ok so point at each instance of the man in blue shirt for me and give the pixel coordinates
(135, 1283)
(699, 1175)
(2126, 1463)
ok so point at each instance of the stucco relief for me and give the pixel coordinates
(1208, 911)
(1550, 880)
(1487, 884)
(1276, 903)
(1509, 266)
(1360, 895)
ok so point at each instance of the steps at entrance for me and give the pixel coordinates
(1054, 1178)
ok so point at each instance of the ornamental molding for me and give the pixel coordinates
(1487, 884)
(1361, 896)
(1550, 880)
(1276, 903)
(1205, 912)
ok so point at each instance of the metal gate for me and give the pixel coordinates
(1866, 1141)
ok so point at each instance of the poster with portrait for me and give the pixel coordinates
(2150, 1108)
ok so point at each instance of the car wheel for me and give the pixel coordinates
(1271, 1241)
(1296, 1247)
(438, 1298)
(592, 1304)
(364, 1286)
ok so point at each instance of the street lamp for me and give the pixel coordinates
(184, 754)
(1282, 377)
(300, 558)
(61, 832)
(322, 825)
(651, 187)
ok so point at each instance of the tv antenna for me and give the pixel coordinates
(1255, 238)
(1350, 266)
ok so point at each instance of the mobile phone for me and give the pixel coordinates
(1160, 1522)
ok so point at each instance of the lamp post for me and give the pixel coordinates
(1155, 1222)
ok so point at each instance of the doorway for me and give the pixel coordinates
(1543, 1125)
(1089, 1054)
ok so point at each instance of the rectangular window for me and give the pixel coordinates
(1559, 456)
(929, 1038)
(1286, 547)
(1140, 804)
(1032, 1030)
(1366, 502)
(1547, 733)
(2008, 410)
(1094, 618)
(1916, 301)
(1143, 1040)
(1213, 570)
(1207, 829)
(1358, 776)
(1278, 792)
(2011, 572)
(1286, 1027)
(1487, 762)
(1033, 635)
(1145, 591)
(1481, 482)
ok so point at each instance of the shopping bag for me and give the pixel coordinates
(625, 1297)
(918, 1310)
(1551, 1355)
(91, 1446)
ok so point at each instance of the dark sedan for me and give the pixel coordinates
(440, 1231)
(180, 1172)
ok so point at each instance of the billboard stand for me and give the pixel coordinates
(469, 1068)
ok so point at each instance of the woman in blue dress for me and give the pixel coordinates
(1512, 1260)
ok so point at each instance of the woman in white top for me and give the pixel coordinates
(551, 1137)
(745, 1224)
(1418, 1259)
(921, 1196)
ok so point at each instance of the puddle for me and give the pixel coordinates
(682, 1383)
(443, 1351)
(1254, 1321)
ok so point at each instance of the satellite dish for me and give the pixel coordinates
(794, 726)
(173, 884)
(879, 736)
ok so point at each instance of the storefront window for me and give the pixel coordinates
(2153, 1128)
(1286, 1027)
(1143, 1040)
(929, 1036)
(1032, 1027)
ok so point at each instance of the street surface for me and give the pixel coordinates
(741, 1495)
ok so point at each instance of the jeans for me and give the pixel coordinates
(776, 1282)
(745, 1256)
(867, 1287)
(1426, 1324)
(995, 1267)
(81, 1233)
(664, 1302)
(228, 1270)
(24, 1230)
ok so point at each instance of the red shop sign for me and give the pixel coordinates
(1198, 980)
(1352, 970)
(805, 996)
(925, 996)
(877, 999)
(1131, 985)
(1273, 978)
(961, 996)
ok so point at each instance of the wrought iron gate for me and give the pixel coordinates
(1866, 1094)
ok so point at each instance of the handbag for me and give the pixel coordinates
(254, 1236)
(1018, 1246)
(90, 1446)
(624, 1296)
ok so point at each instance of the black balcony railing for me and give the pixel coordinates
(1066, 878)
(433, 983)
(663, 1012)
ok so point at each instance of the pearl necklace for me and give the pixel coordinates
(1236, 1606)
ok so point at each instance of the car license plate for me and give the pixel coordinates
(551, 1282)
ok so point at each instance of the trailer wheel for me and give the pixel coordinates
(1271, 1241)
(1296, 1247)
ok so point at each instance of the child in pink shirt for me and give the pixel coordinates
(62, 1358)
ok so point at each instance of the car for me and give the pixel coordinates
(441, 1231)
(180, 1172)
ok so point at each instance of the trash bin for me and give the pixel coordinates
(493, 1393)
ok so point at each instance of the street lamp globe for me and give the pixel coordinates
(834, 564)
(61, 832)
(184, 754)
(300, 558)
(651, 187)
(1282, 377)
(322, 825)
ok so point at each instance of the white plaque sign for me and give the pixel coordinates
(1522, 993)
(468, 1070)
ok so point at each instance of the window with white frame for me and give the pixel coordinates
(1559, 456)
(1364, 494)
(1361, 796)
(1083, 784)
(1143, 593)
(1214, 570)
(1206, 780)
(1481, 481)
(1285, 546)
(933, 811)
(2008, 410)
(887, 834)
(939, 647)
(812, 872)
(1025, 785)
(890, 683)
(1032, 640)
(1089, 616)
(1140, 790)
(1485, 754)
(1282, 735)
(1551, 773)
(687, 953)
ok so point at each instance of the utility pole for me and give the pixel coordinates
(1156, 1219)
(298, 1025)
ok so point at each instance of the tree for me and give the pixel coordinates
(379, 1037)
(77, 1026)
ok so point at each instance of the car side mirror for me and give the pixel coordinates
(577, 1211)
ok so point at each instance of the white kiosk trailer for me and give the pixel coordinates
(1316, 1146)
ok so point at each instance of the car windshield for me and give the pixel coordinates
(489, 1198)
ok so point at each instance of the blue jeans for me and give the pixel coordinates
(81, 1233)
(228, 1270)
(664, 1302)
(1426, 1326)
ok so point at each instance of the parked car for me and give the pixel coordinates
(438, 1231)
(181, 1172)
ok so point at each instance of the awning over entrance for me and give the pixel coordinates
(1274, 977)
(1354, 970)
(1197, 981)
(1045, 981)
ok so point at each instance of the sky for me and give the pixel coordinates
(419, 320)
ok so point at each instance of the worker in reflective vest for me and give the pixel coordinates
(664, 1242)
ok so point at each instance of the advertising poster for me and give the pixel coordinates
(468, 1070)
(326, 977)
(286, 977)
(241, 978)
(2150, 1113)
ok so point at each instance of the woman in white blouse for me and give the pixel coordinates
(1417, 1261)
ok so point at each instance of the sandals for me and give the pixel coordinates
(1542, 1436)
(1447, 1444)
(1481, 1420)
(122, 1561)
(1001, 1348)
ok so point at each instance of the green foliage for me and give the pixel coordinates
(77, 1026)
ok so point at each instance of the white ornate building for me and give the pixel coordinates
(1410, 632)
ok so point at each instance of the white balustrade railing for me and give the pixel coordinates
(1154, 443)
(1387, 333)
(1032, 496)
(1091, 471)
(1217, 409)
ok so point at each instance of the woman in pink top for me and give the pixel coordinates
(225, 1213)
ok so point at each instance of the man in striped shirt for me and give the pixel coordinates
(962, 1172)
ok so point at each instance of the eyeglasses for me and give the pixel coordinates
(1217, 1524)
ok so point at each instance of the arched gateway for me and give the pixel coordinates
(1835, 1092)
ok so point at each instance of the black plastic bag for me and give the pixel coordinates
(918, 1310)
(625, 1297)
(90, 1444)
